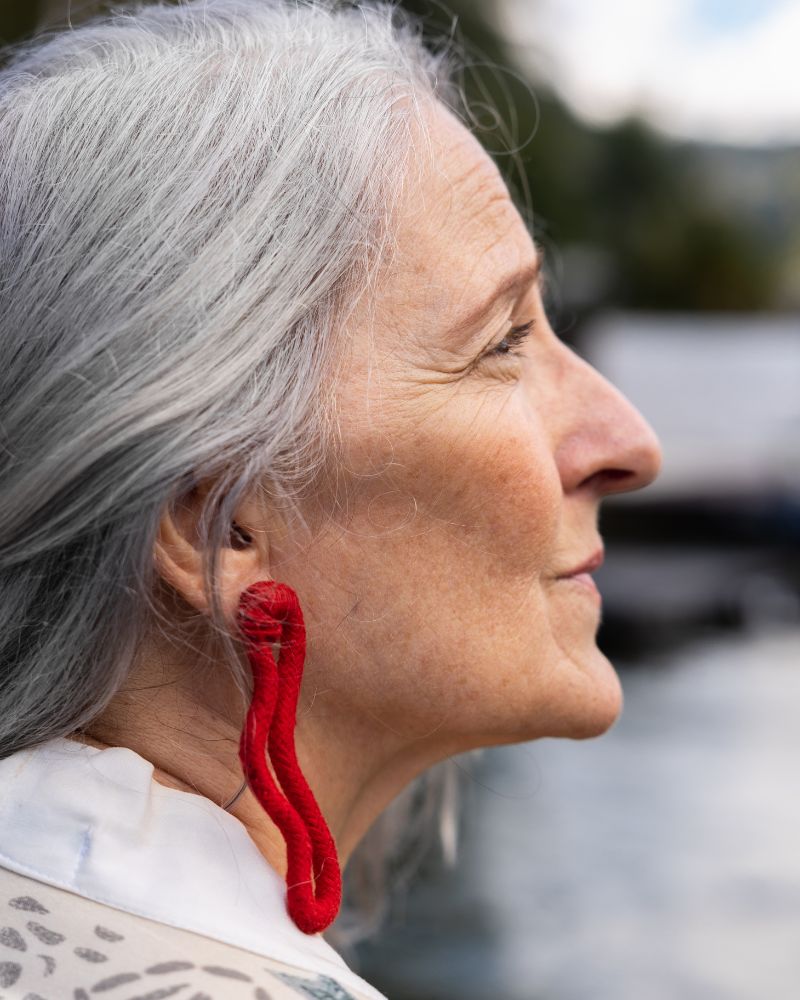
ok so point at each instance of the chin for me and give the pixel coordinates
(585, 699)
(579, 710)
(601, 704)
(579, 699)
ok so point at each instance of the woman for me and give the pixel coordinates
(277, 385)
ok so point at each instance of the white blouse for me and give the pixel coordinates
(94, 822)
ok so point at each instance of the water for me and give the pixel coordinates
(657, 862)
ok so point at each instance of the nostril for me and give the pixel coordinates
(612, 480)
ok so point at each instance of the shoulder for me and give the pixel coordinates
(57, 945)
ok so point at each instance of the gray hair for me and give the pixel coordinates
(192, 199)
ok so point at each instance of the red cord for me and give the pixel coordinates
(270, 612)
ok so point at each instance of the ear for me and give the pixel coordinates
(178, 555)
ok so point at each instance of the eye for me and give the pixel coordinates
(511, 342)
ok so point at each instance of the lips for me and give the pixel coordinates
(587, 566)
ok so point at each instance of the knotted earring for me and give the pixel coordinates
(269, 612)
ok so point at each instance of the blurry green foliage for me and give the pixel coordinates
(640, 201)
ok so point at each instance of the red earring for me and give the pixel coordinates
(270, 612)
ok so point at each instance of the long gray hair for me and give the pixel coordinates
(192, 198)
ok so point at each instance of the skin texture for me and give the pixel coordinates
(465, 484)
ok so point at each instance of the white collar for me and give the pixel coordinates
(94, 821)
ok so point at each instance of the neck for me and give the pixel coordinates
(193, 746)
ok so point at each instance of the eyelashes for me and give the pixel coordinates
(511, 342)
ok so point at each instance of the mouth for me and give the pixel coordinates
(581, 577)
(595, 561)
(582, 582)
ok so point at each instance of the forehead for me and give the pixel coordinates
(457, 229)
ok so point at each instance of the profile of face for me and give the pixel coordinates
(471, 467)
(473, 471)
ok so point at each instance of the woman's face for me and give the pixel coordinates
(468, 484)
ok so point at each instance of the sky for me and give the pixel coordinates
(718, 70)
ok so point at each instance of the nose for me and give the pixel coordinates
(605, 444)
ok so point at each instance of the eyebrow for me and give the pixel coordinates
(526, 275)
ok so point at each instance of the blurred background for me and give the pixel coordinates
(659, 145)
(654, 149)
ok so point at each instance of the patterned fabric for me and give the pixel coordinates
(57, 945)
(94, 824)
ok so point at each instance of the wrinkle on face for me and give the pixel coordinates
(456, 517)
(459, 489)
(464, 232)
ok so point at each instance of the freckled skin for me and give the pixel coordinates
(482, 494)
(460, 490)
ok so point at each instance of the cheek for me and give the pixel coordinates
(441, 526)
(484, 474)
(463, 470)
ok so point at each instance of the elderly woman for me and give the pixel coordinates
(280, 401)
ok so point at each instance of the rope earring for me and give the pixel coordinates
(269, 612)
